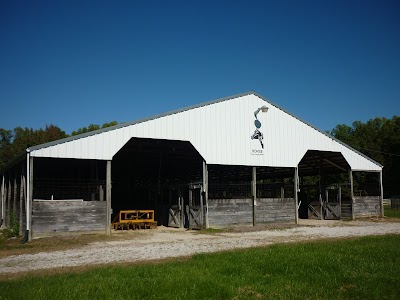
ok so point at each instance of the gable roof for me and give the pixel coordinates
(190, 108)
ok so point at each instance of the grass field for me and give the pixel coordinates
(361, 268)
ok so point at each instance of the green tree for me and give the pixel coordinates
(113, 123)
(14, 143)
(5, 146)
(93, 127)
(379, 139)
(82, 130)
(344, 133)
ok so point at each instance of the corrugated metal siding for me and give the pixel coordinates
(221, 133)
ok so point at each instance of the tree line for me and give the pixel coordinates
(378, 138)
(13, 143)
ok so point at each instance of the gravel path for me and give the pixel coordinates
(167, 243)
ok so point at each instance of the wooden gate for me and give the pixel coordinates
(328, 207)
(332, 204)
(192, 216)
(314, 210)
(195, 208)
(175, 214)
(332, 211)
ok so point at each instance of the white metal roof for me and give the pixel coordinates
(221, 132)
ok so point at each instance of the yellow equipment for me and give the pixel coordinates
(134, 219)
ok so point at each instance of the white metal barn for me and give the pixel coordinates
(236, 160)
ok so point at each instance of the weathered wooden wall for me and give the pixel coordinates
(367, 206)
(228, 212)
(67, 216)
(275, 210)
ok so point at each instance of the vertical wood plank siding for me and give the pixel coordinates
(67, 216)
(227, 212)
(367, 206)
(275, 210)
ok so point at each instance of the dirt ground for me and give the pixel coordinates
(166, 243)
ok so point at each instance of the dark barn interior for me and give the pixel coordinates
(228, 182)
(153, 174)
(325, 187)
(69, 179)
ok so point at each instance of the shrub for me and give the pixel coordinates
(13, 229)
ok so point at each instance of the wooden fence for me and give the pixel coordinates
(67, 216)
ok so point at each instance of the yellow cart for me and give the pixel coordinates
(134, 219)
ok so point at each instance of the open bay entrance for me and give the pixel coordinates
(159, 175)
(324, 186)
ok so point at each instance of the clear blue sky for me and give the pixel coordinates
(73, 63)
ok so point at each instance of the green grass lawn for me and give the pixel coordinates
(361, 268)
(391, 213)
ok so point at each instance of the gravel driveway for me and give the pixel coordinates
(167, 243)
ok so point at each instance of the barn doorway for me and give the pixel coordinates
(153, 174)
(324, 186)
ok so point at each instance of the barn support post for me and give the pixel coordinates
(321, 202)
(205, 192)
(27, 195)
(381, 193)
(29, 199)
(21, 201)
(108, 198)
(353, 217)
(254, 193)
(296, 199)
